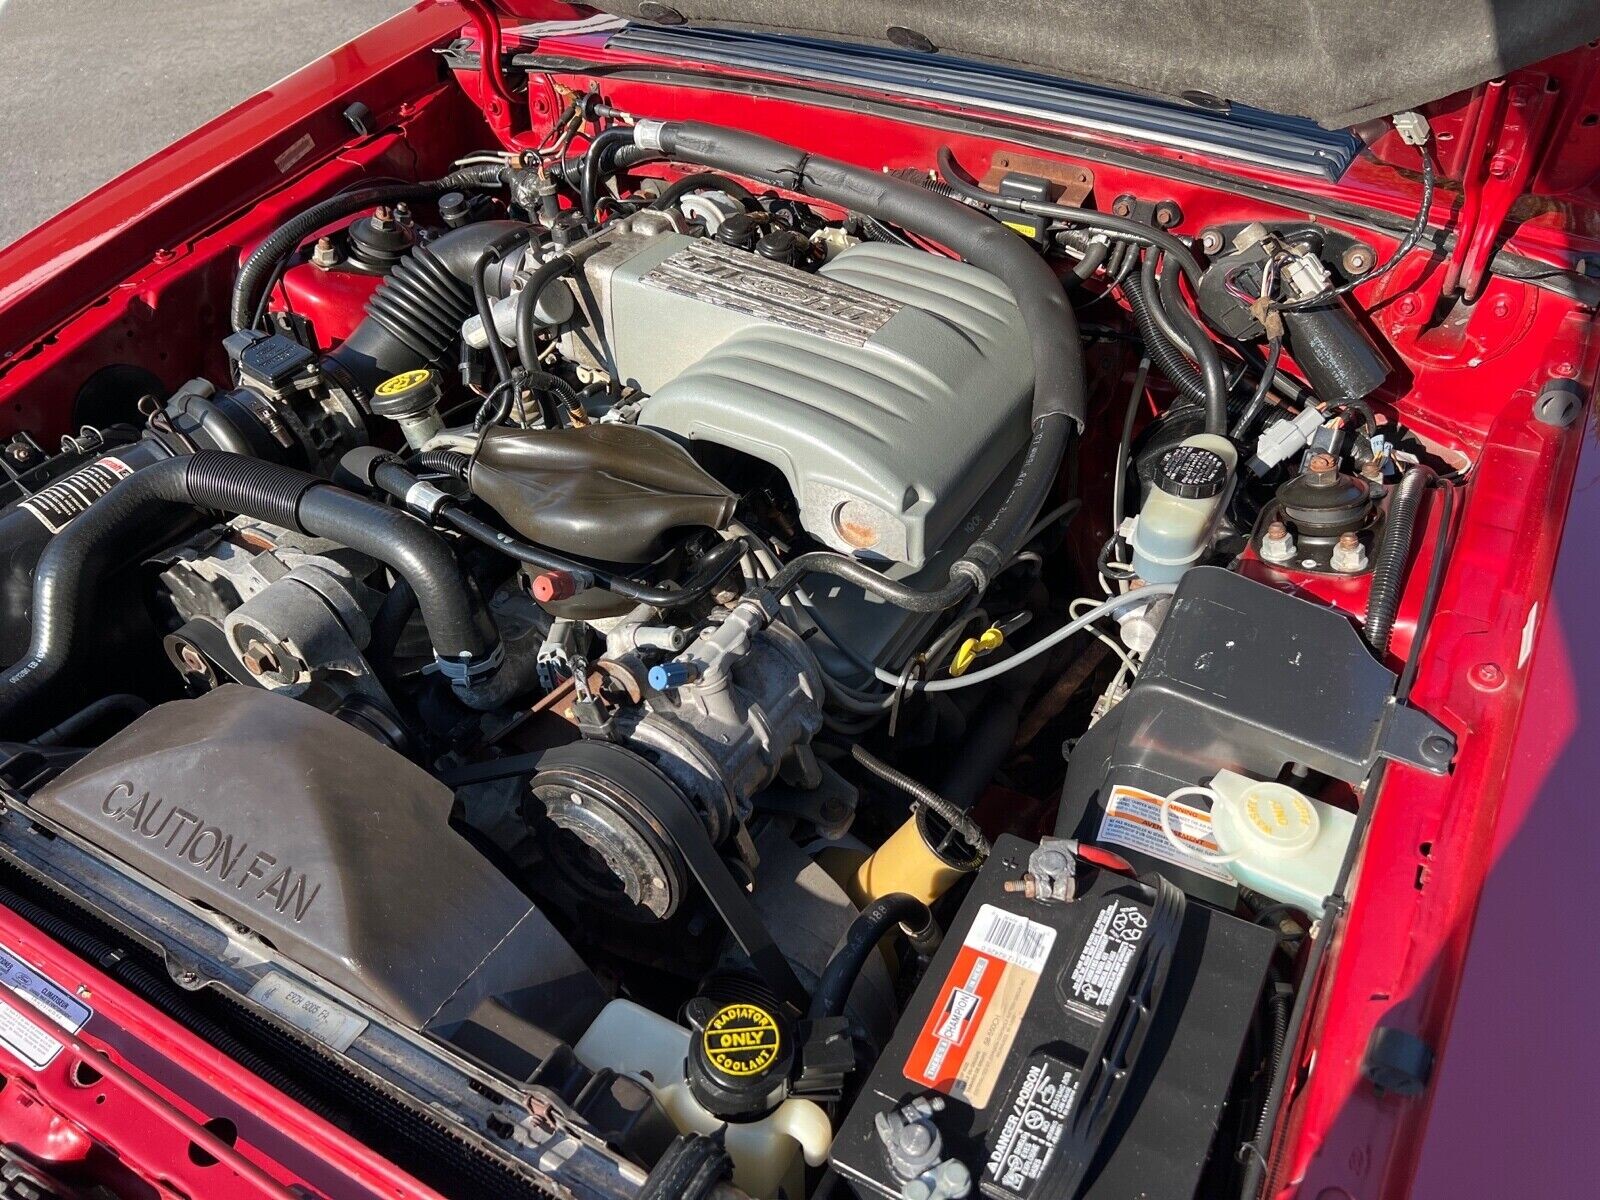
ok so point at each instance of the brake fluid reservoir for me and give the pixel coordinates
(1179, 519)
(1286, 845)
(634, 1041)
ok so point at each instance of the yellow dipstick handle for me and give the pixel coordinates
(989, 639)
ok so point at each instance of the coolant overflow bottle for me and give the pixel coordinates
(1285, 844)
(1179, 519)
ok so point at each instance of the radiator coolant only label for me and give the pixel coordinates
(23, 982)
(968, 1034)
(58, 504)
(1133, 819)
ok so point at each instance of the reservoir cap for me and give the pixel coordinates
(739, 1058)
(1192, 472)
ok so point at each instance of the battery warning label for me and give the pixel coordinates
(58, 504)
(968, 1034)
(1133, 819)
(1035, 1124)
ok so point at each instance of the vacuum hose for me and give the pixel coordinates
(1060, 393)
(69, 571)
(863, 936)
(1389, 563)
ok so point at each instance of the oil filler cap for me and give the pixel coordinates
(740, 1057)
(1192, 472)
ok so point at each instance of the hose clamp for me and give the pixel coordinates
(464, 671)
(647, 133)
(425, 499)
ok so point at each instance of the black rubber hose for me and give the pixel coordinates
(487, 257)
(67, 577)
(693, 1167)
(595, 166)
(824, 562)
(1258, 398)
(712, 568)
(117, 704)
(1060, 398)
(264, 259)
(1389, 562)
(547, 272)
(1170, 359)
(874, 923)
(393, 615)
(680, 188)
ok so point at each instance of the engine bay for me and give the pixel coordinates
(648, 660)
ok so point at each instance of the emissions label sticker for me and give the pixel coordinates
(21, 1036)
(308, 1011)
(967, 1037)
(58, 504)
(1035, 1123)
(1133, 819)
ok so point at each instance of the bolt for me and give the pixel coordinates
(1500, 166)
(1502, 307)
(258, 658)
(1027, 885)
(1211, 241)
(165, 256)
(1488, 676)
(1357, 260)
(1437, 747)
(191, 660)
(1167, 214)
(1372, 469)
(1406, 306)
(382, 216)
(1122, 208)
(916, 1139)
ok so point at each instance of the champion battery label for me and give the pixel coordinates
(1102, 964)
(1035, 1124)
(58, 504)
(1133, 819)
(21, 1036)
(967, 1037)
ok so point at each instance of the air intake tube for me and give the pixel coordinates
(464, 638)
(1060, 393)
(415, 315)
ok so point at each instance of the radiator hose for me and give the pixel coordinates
(1060, 392)
(875, 923)
(1389, 563)
(69, 571)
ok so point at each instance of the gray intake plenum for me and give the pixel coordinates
(891, 387)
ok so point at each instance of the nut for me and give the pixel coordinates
(1277, 545)
(1349, 555)
(259, 659)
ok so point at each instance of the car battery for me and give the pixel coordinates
(1061, 1049)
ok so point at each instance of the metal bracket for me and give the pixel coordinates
(1411, 736)
(1504, 134)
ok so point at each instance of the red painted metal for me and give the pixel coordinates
(140, 272)
(1505, 135)
(126, 1105)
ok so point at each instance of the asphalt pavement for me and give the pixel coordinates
(88, 88)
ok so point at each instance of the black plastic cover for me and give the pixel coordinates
(1245, 677)
(336, 850)
(610, 492)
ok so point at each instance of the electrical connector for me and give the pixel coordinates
(1412, 127)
